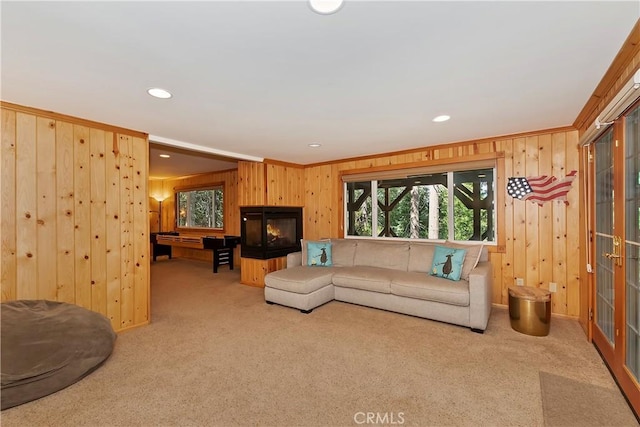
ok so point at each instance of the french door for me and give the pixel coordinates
(616, 221)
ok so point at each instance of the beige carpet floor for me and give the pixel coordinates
(216, 355)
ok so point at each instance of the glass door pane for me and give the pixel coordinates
(632, 239)
(604, 209)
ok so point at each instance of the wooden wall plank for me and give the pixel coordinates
(46, 214)
(277, 191)
(113, 244)
(98, 221)
(560, 244)
(8, 261)
(508, 274)
(26, 207)
(545, 220)
(574, 282)
(140, 231)
(82, 215)
(65, 222)
(532, 276)
(126, 233)
(519, 213)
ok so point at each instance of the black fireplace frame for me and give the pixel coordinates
(262, 251)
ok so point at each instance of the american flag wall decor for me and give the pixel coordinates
(540, 189)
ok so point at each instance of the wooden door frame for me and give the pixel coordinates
(607, 351)
(624, 377)
(614, 358)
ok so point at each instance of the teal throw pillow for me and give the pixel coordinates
(319, 254)
(447, 262)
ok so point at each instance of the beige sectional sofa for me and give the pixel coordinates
(389, 275)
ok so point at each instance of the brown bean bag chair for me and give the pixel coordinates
(47, 346)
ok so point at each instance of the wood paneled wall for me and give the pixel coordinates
(285, 184)
(542, 244)
(74, 219)
(252, 271)
(271, 183)
(252, 184)
(166, 188)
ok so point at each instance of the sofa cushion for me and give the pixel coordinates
(431, 288)
(470, 260)
(385, 254)
(300, 279)
(319, 254)
(366, 278)
(420, 257)
(344, 251)
(447, 262)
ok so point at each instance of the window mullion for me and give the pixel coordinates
(450, 189)
(374, 209)
(345, 216)
(189, 209)
(212, 215)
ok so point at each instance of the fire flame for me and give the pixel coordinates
(274, 231)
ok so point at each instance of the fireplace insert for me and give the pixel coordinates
(270, 231)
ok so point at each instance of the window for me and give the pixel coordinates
(200, 208)
(439, 205)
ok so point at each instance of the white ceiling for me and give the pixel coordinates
(266, 78)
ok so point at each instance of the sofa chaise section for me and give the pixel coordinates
(301, 287)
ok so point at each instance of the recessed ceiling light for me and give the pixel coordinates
(326, 7)
(165, 156)
(315, 145)
(442, 118)
(159, 93)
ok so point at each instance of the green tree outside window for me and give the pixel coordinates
(201, 208)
